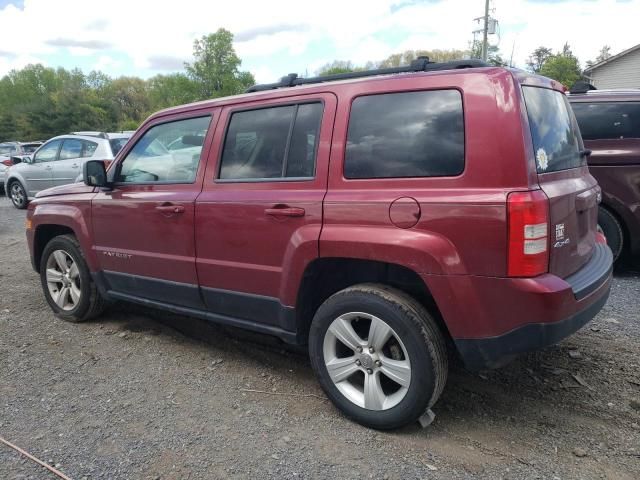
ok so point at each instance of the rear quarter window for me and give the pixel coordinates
(608, 120)
(407, 134)
(557, 144)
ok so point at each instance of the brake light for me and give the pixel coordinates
(7, 162)
(528, 220)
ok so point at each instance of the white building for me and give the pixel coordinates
(619, 71)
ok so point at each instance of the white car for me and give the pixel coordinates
(12, 149)
(59, 161)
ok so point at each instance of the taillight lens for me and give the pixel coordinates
(528, 220)
(7, 162)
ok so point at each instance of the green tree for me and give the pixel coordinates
(171, 90)
(337, 66)
(436, 55)
(563, 67)
(127, 99)
(493, 54)
(605, 53)
(537, 58)
(216, 67)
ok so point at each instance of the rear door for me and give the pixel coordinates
(259, 216)
(69, 164)
(564, 177)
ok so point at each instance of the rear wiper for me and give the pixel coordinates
(585, 153)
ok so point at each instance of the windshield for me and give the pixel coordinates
(556, 138)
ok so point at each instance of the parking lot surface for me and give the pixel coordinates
(143, 394)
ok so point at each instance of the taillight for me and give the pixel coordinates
(7, 162)
(528, 220)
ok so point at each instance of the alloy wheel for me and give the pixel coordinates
(63, 280)
(367, 361)
(17, 195)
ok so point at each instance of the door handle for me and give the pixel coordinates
(170, 208)
(48, 167)
(75, 165)
(285, 211)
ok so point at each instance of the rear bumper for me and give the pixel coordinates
(506, 317)
(493, 352)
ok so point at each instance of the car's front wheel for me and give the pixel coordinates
(378, 354)
(66, 281)
(18, 195)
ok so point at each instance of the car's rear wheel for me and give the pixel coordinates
(378, 354)
(612, 231)
(66, 281)
(18, 195)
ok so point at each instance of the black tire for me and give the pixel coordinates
(612, 229)
(91, 304)
(418, 332)
(20, 199)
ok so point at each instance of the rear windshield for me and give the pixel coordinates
(556, 138)
(611, 120)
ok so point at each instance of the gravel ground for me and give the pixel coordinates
(145, 395)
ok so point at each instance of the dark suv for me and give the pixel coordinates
(610, 124)
(382, 218)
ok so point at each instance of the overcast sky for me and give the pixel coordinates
(274, 37)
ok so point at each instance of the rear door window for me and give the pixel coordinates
(610, 120)
(556, 138)
(88, 148)
(71, 148)
(407, 134)
(272, 143)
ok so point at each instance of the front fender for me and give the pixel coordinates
(14, 175)
(74, 214)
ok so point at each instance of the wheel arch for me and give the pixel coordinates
(51, 220)
(328, 275)
(42, 236)
(620, 217)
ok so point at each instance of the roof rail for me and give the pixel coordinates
(420, 64)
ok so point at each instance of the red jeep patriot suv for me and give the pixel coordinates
(382, 218)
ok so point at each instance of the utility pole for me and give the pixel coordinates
(487, 26)
(485, 30)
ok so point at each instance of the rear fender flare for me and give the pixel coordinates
(423, 252)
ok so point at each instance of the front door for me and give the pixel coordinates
(259, 216)
(143, 228)
(39, 173)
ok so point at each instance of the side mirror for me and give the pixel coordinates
(94, 174)
(27, 159)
